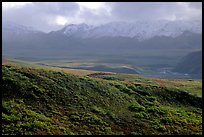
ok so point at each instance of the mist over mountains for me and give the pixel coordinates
(140, 30)
(108, 38)
(157, 43)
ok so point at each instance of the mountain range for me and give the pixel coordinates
(141, 30)
(119, 39)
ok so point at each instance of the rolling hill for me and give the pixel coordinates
(41, 101)
(191, 64)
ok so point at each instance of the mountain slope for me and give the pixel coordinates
(157, 49)
(38, 43)
(191, 63)
(141, 30)
(37, 101)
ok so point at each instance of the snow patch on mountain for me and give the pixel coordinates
(17, 28)
(77, 29)
(140, 29)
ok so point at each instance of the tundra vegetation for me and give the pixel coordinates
(43, 101)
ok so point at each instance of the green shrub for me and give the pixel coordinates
(167, 120)
(151, 98)
(156, 110)
(142, 115)
(98, 110)
(75, 118)
(136, 107)
(111, 115)
(93, 119)
(161, 128)
(124, 89)
(135, 133)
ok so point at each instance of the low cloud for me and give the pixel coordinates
(156, 10)
(47, 16)
(40, 15)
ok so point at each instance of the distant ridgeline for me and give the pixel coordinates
(191, 64)
(116, 37)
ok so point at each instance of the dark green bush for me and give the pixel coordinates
(136, 107)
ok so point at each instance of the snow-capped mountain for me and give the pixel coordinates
(77, 30)
(12, 27)
(140, 29)
(74, 39)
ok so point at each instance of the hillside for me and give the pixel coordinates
(191, 63)
(39, 101)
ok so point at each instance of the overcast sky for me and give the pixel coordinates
(47, 16)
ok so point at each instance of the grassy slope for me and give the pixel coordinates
(193, 87)
(40, 101)
(16, 62)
